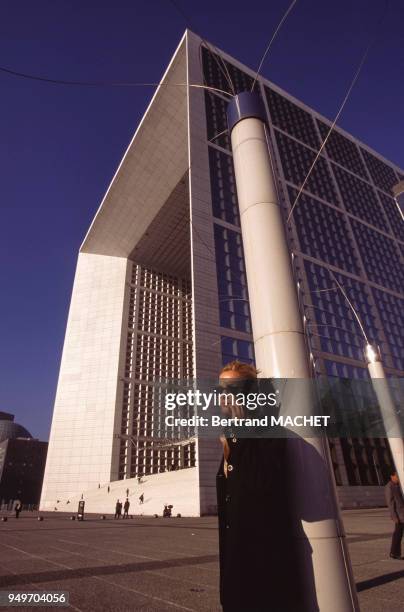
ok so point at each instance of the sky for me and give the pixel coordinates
(60, 145)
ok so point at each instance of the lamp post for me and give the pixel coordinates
(281, 351)
(391, 419)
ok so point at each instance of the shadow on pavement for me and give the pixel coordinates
(379, 580)
(100, 524)
(87, 572)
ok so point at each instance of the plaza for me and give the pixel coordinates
(158, 564)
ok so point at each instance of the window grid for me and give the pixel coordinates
(380, 257)
(342, 150)
(323, 233)
(382, 175)
(231, 278)
(393, 215)
(223, 187)
(291, 118)
(359, 198)
(296, 161)
(159, 347)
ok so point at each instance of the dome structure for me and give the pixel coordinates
(9, 429)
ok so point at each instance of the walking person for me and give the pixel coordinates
(18, 508)
(141, 499)
(118, 510)
(395, 503)
(127, 492)
(126, 509)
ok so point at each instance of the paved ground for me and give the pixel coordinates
(165, 564)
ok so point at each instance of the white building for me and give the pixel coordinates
(160, 288)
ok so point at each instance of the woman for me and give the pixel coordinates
(256, 540)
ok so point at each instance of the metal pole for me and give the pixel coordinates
(281, 352)
(391, 419)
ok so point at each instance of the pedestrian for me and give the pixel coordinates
(141, 499)
(99, 485)
(258, 531)
(108, 488)
(167, 511)
(395, 503)
(18, 508)
(118, 509)
(126, 509)
(127, 492)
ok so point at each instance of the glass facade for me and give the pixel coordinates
(346, 221)
(332, 327)
(342, 150)
(231, 279)
(236, 349)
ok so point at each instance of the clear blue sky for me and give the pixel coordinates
(60, 145)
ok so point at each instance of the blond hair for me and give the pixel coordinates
(244, 370)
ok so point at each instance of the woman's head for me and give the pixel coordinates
(237, 379)
(238, 370)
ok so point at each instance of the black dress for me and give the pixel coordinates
(259, 568)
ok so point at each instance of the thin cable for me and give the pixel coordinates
(274, 35)
(218, 135)
(201, 239)
(322, 290)
(350, 304)
(346, 331)
(218, 58)
(33, 77)
(225, 72)
(230, 299)
(215, 57)
(399, 209)
(345, 100)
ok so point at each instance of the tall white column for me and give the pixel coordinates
(281, 353)
(391, 420)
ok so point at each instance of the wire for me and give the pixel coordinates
(346, 331)
(274, 35)
(396, 202)
(218, 135)
(350, 303)
(33, 77)
(202, 240)
(345, 100)
(215, 57)
(231, 299)
(322, 290)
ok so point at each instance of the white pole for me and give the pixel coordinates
(281, 352)
(391, 420)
